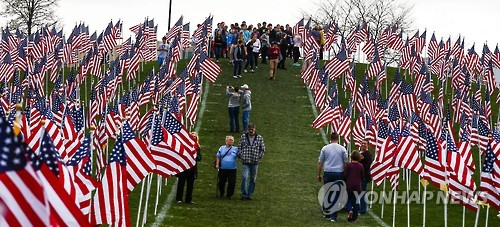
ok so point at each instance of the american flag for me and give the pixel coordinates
(345, 125)
(298, 29)
(455, 165)
(369, 49)
(472, 60)
(434, 170)
(461, 184)
(57, 184)
(168, 160)
(139, 159)
(483, 134)
(177, 134)
(490, 179)
(321, 89)
(330, 114)
(209, 68)
(376, 66)
(80, 166)
(338, 65)
(6, 68)
(408, 156)
(464, 146)
(386, 150)
(110, 203)
(18, 180)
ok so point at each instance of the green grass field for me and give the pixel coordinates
(286, 188)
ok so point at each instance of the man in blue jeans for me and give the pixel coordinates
(332, 160)
(246, 105)
(251, 148)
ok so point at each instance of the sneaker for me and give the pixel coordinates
(191, 202)
(349, 215)
(333, 220)
(235, 77)
(178, 201)
(243, 198)
(256, 67)
(245, 70)
(251, 70)
(239, 76)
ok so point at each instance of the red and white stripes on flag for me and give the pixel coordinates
(139, 160)
(110, 203)
(23, 198)
(210, 69)
(170, 160)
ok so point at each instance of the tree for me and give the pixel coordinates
(29, 14)
(348, 14)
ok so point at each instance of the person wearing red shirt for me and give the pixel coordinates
(274, 54)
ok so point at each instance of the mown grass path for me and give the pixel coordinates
(286, 189)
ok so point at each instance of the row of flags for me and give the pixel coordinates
(411, 128)
(52, 137)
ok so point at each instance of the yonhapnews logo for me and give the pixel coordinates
(332, 196)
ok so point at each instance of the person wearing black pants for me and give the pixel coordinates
(226, 164)
(284, 43)
(264, 42)
(188, 176)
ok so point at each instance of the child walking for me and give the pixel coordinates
(353, 173)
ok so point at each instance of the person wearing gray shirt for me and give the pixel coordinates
(332, 160)
(233, 108)
(246, 105)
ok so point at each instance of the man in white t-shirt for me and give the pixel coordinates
(297, 43)
(256, 50)
(162, 50)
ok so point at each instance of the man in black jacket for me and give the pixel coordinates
(284, 44)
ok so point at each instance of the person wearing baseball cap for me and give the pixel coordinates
(246, 106)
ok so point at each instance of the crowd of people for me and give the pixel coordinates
(264, 43)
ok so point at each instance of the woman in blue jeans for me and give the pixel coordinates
(233, 108)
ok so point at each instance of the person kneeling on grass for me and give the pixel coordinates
(226, 164)
(353, 174)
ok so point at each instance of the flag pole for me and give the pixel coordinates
(425, 195)
(477, 215)
(140, 205)
(408, 199)
(463, 216)
(149, 177)
(487, 215)
(394, 207)
(383, 200)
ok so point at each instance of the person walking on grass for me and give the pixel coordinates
(246, 106)
(353, 174)
(284, 43)
(249, 55)
(226, 164)
(256, 49)
(297, 43)
(332, 160)
(218, 45)
(238, 55)
(274, 55)
(251, 148)
(264, 39)
(233, 108)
